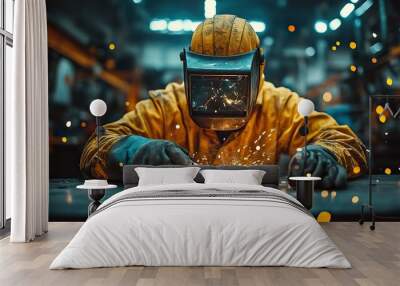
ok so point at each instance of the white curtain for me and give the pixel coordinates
(27, 124)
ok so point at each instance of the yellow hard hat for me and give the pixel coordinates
(224, 35)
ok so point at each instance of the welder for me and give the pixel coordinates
(225, 113)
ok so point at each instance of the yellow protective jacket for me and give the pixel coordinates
(273, 128)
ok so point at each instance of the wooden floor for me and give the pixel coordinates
(375, 257)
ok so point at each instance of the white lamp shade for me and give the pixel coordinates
(305, 107)
(98, 107)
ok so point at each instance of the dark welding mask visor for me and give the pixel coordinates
(221, 91)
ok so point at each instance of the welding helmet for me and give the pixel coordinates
(221, 91)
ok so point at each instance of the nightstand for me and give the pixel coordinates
(305, 189)
(96, 190)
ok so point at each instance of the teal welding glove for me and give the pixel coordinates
(320, 163)
(139, 150)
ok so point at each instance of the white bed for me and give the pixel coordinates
(250, 225)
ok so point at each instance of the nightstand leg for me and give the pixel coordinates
(95, 196)
(305, 193)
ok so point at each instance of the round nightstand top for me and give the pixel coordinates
(305, 178)
(105, 187)
(96, 184)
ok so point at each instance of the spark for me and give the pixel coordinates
(356, 170)
(379, 109)
(324, 216)
(353, 45)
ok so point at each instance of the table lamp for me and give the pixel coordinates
(98, 108)
(96, 188)
(305, 185)
(305, 107)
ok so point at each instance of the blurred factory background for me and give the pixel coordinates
(336, 53)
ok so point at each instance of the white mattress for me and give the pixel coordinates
(191, 231)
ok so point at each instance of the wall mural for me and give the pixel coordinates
(195, 108)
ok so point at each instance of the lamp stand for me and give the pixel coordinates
(305, 144)
(97, 136)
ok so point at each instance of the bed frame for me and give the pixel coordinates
(271, 178)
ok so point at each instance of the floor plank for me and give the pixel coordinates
(375, 257)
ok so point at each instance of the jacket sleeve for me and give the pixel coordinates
(340, 140)
(145, 120)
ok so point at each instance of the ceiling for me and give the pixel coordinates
(95, 22)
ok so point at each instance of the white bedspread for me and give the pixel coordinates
(223, 231)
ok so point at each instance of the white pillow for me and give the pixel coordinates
(248, 177)
(165, 176)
